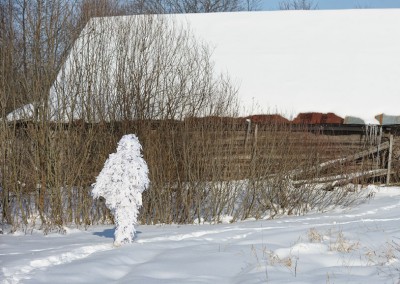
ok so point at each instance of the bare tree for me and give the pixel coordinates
(141, 67)
(166, 75)
(190, 6)
(251, 5)
(202, 6)
(298, 5)
(35, 36)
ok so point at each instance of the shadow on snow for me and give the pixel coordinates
(109, 233)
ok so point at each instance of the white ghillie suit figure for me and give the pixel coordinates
(121, 182)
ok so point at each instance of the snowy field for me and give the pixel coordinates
(345, 245)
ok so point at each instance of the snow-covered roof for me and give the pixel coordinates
(341, 61)
(26, 111)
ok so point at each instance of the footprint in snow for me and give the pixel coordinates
(16, 274)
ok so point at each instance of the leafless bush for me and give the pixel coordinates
(200, 171)
(147, 68)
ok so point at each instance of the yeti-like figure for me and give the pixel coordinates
(121, 182)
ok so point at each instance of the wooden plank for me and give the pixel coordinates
(331, 184)
(349, 158)
(344, 178)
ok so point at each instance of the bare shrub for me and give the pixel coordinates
(314, 236)
(343, 245)
(200, 170)
(161, 75)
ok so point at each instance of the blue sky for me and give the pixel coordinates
(338, 4)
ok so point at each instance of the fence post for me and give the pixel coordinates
(389, 170)
(255, 136)
(248, 121)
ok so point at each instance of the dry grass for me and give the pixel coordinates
(343, 245)
(314, 236)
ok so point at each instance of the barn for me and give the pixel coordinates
(285, 62)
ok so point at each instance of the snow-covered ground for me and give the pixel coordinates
(346, 245)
